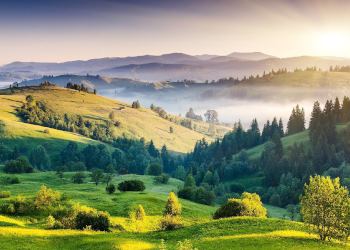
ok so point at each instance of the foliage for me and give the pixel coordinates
(169, 222)
(78, 178)
(131, 185)
(325, 206)
(248, 205)
(5, 194)
(161, 179)
(20, 165)
(47, 198)
(98, 221)
(39, 158)
(173, 206)
(96, 175)
(155, 169)
(110, 188)
(9, 180)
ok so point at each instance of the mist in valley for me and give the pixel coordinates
(235, 104)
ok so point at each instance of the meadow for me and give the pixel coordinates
(199, 227)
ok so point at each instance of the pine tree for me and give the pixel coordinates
(173, 206)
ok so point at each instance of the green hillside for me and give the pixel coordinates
(134, 123)
(203, 232)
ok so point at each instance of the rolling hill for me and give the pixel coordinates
(202, 231)
(135, 123)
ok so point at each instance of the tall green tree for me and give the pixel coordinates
(325, 206)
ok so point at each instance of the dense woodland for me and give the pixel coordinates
(285, 170)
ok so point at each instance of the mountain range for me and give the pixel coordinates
(173, 66)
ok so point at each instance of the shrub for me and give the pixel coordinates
(98, 221)
(161, 179)
(173, 206)
(248, 205)
(185, 245)
(155, 169)
(187, 193)
(169, 222)
(9, 180)
(47, 198)
(18, 206)
(78, 178)
(20, 165)
(4, 194)
(110, 189)
(131, 185)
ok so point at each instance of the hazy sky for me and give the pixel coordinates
(48, 30)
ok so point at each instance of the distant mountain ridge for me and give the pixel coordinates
(176, 66)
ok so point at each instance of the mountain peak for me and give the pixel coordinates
(250, 56)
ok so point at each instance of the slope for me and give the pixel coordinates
(135, 123)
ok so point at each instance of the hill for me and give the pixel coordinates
(200, 229)
(134, 123)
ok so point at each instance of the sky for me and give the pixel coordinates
(55, 31)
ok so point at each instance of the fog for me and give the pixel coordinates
(263, 103)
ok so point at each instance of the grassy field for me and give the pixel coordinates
(135, 123)
(200, 229)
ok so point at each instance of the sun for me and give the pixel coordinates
(331, 43)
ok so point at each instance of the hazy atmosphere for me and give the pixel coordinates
(174, 124)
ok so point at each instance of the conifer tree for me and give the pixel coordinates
(173, 206)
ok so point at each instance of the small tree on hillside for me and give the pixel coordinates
(173, 206)
(325, 206)
(96, 176)
(140, 213)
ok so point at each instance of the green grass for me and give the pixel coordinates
(204, 232)
(135, 123)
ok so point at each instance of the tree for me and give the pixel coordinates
(155, 169)
(140, 213)
(211, 116)
(152, 150)
(78, 178)
(70, 153)
(96, 176)
(136, 104)
(180, 172)
(39, 158)
(189, 181)
(173, 206)
(20, 165)
(325, 206)
(110, 188)
(296, 122)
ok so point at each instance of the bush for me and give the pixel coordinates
(4, 194)
(9, 180)
(47, 198)
(110, 189)
(98, 221)
(20, 165)
(155, 169)
(169, 222)
(187, 193)
(162, 179)
(78, 178)
(18, 206)
(247, 205)
(131, 185)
